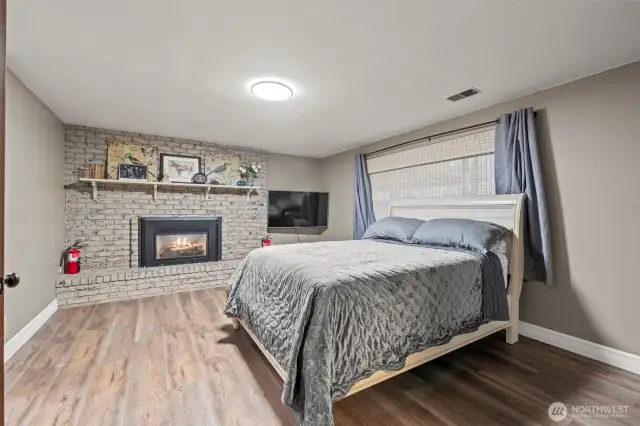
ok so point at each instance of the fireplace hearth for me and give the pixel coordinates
(179, 240)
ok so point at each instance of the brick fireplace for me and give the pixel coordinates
(110, 225)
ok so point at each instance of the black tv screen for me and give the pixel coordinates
(289, 209)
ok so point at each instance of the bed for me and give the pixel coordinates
(335, 318)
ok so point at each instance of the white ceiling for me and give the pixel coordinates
(362, 70)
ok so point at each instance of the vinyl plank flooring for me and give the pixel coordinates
(73, 320)
(175, 360)
(21, 362)
(105, 393)
(66, 397)
(148, 397)
(193, 406)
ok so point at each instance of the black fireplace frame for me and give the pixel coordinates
(149, 227)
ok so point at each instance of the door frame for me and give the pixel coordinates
(3, 45)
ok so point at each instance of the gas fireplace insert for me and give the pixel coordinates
(179, 240)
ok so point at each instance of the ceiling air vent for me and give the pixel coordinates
(463, 94)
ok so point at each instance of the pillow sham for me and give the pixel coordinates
(393, 228)
(463, 233)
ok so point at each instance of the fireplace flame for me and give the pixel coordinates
(182, 246)
(184, 243)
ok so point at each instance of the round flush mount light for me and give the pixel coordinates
(271, 91)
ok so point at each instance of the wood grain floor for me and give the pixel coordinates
(175, 360)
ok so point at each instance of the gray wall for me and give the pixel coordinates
(294, 173)
(34, 220)
(589, 133)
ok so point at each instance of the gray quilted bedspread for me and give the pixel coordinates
(333, 313)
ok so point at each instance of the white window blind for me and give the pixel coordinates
(455, 167)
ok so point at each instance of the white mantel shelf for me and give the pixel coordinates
(207, 188)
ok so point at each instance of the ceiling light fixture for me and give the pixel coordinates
(272, 91)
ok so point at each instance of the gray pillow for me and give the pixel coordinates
(463, 233)
(393, 228)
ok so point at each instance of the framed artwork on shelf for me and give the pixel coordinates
(127, 153)
(222, 169)
(132, 173)
(178, 168)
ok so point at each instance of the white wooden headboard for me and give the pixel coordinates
(500, 209)
(505, 210)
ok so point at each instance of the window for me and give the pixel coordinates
(458, 166)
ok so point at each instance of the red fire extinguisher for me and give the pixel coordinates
(73, 261)
(266, 241)
(70, 258)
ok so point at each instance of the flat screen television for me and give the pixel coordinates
(292, 209)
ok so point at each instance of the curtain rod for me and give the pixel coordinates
(426, 138)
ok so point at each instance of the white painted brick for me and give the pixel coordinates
(77, 300)
(109, 225)
(68, 295)
(98, 298)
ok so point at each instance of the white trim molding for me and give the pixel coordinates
(624, 360)
(16, 342)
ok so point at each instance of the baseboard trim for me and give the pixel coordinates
(23, 336)
(605, 354)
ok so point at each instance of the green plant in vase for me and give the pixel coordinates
(249, 171)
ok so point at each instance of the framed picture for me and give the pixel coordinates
(132, 172)
(128, 153)
(178, 168)
(222, 168)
